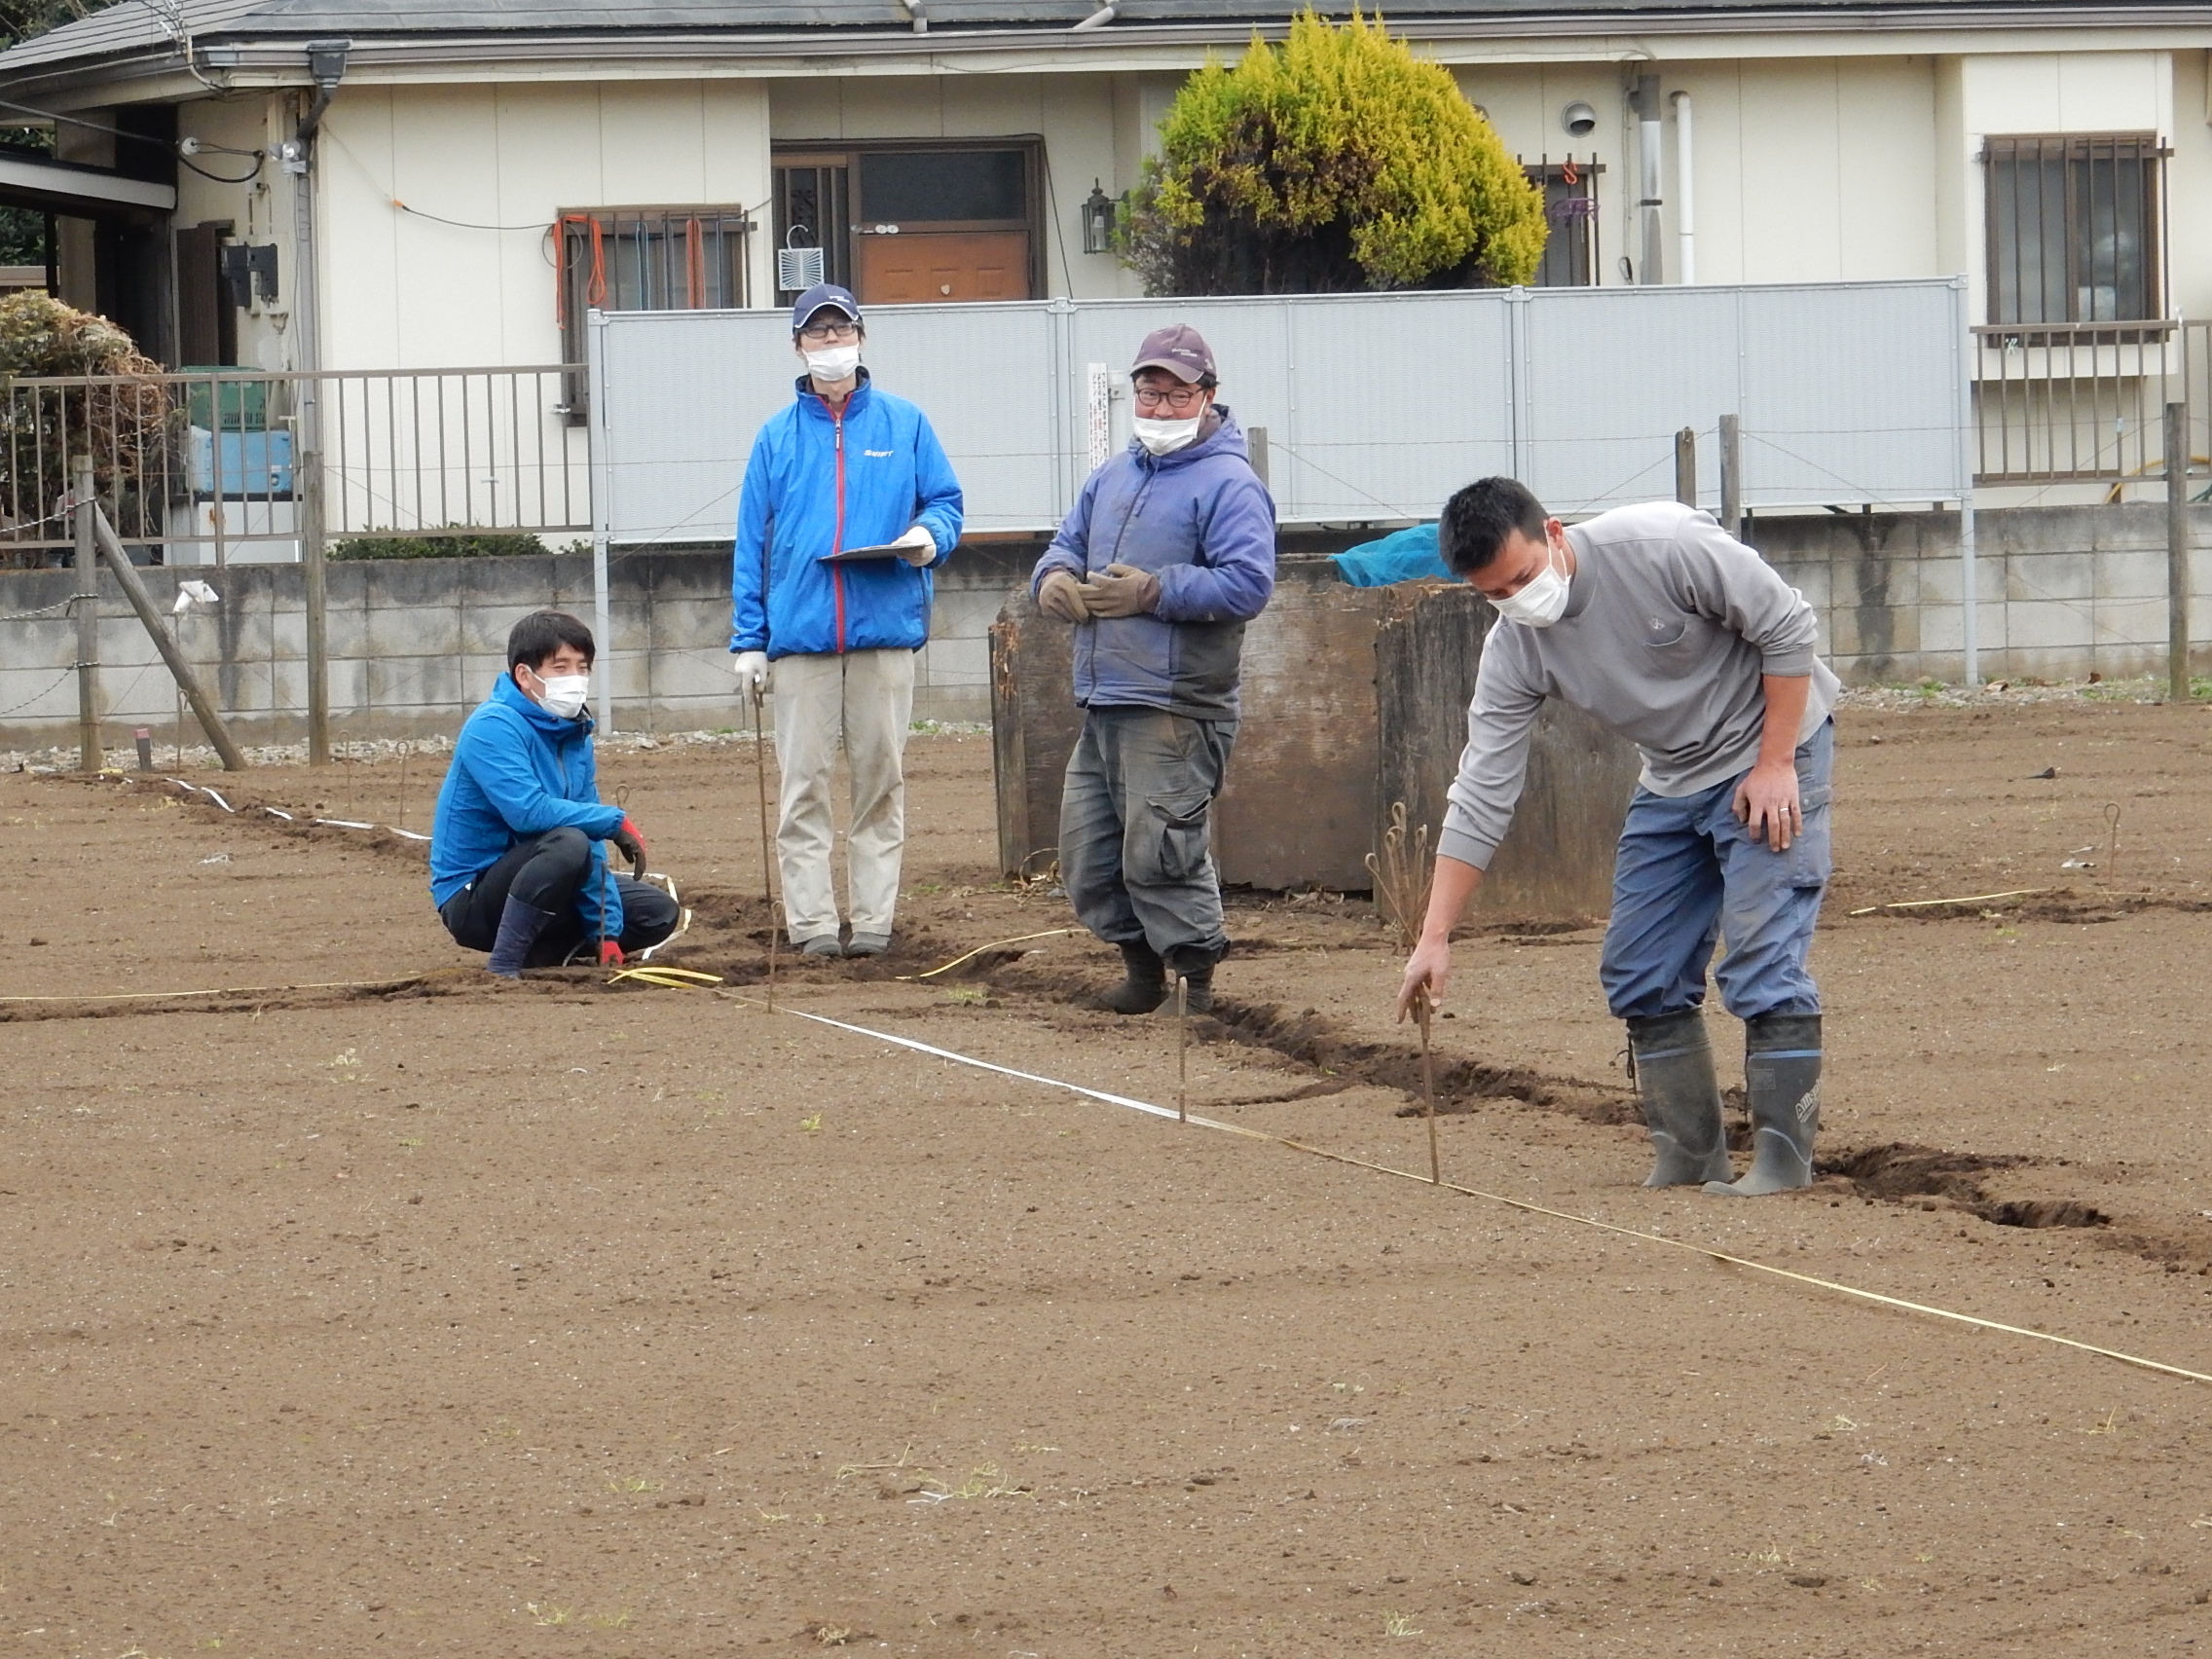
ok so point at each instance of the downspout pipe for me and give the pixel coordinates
(1685, 192)
(1099, 19)
(1650, 141)
(916, 12)
(326, 62)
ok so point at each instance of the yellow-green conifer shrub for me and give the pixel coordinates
(1335, 161)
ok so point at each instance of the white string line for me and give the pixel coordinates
(1522, 1204)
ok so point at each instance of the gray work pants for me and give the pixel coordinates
(860, 701)
(1135, 856)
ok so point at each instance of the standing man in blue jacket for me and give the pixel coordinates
(1169, 551)
(845, 465)
(517, 868)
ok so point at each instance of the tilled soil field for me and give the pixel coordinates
(371, 1305)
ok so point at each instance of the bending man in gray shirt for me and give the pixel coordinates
(1682, 640)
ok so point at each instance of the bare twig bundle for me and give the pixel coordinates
(1402, 875)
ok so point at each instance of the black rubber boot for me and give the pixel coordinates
(1680, 1098)
(1196, 967)
(520, 925)
(1782, 1076)
(1145, 986)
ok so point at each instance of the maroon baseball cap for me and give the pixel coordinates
(1180, 349)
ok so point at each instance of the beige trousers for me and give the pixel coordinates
(863, 701)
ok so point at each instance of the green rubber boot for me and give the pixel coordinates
(1782, 1076)
(1144, 986)
(1680, 1098)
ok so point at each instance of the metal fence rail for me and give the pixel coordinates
(2084, 402)
(207, 466)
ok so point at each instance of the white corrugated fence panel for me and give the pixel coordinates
(684, 394)
(1376, 406)
(1609, 376)
(1851, 394)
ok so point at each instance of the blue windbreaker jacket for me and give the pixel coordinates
(1200, 520)
(519, 771)
(817, 483)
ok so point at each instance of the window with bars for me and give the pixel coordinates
(2074, 225)
(644, 259)
(1571, 219)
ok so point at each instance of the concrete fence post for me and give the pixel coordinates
(86, 606)
(2177, 552)
(1686, 467)
(1732, 475)
(313, 541)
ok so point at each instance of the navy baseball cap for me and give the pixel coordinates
(824, 296)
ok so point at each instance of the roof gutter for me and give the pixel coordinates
(273, 61)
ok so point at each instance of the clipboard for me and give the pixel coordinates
(861, 555)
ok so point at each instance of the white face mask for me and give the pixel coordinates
(1164, 438)
(833, 363)
(1543, 599)
(564, 694)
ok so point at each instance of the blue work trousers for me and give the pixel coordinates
(1135, 854)
(1690, 876)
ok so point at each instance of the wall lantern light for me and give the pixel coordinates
(1098, 212)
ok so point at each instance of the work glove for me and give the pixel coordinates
(1121, 590)
(631, 845)
(751, 670)
(610, 954)
(919, 546)
(1059, 596)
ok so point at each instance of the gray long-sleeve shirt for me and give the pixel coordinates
(1669, 625)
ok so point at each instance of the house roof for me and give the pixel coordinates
(130, 36)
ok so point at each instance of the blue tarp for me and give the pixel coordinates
(1403, 556)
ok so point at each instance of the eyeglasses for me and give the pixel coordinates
(1180, 398)
(815, 333)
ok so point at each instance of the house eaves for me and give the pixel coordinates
(124, 52)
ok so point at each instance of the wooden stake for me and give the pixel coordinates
(767, 847)
(1182, 1049)
(1429, 1086)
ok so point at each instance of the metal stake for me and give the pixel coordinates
(1182, 1047)
(767, 847)
(1429, 1086)
(2177, 552)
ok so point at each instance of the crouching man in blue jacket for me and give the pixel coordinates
(843, 467)
(1169, 551)
(516, 864)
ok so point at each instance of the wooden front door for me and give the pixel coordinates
(918, 267)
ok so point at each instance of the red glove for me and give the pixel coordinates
(610, 954)
(631, 845)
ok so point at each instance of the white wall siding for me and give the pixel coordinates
(402, 290)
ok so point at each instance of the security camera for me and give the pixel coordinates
(1579, 119)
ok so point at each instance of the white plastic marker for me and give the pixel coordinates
(1522, 1204)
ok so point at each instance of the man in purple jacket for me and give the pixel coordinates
(1169, 551)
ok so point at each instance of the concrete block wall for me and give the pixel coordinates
(416, 644)
(2062, 592)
